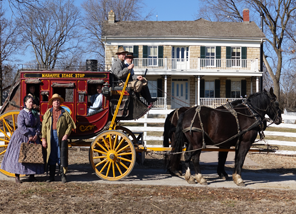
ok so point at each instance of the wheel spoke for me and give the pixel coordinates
(115, 141)
(110, 140)
(5, 146)
(3, 152)
(98, 151)
(113, 169)
(97, 157)
(106, 144)
(4, 132)
(101, 147)
(122, 164)
(123, 148)
(4, 140)
(124, 159)
(108, 170)
(7, 126)
(104, 166)
(129, 153)
(118, 168)
(13, 122)
(103, 161)
(119, 144)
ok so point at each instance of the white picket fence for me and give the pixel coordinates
(147, 121)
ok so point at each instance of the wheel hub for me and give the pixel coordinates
(111, 155)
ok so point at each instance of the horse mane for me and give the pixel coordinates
(259, 99)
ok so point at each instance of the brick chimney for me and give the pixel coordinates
(111, 17)
(246, 16)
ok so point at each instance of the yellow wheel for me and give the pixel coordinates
(128, 132)
(8, 124)
(112, 155)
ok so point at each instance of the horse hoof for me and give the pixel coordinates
(191, 180)
(175, 173)
(242, 184)
(200, 179)
(224, 177)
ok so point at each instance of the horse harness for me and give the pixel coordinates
(229, 107)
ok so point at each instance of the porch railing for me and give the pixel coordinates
(215, 102)
(158, 104)
(195, 64)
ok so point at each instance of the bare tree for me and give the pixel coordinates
(96, 12)
(278, 19)
(51, 30)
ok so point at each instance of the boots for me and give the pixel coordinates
(63, 176)
(51, 173)
(147, 96)
(17, 179)
(32, 178)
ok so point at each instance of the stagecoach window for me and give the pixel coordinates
(210, 56)
(152, 55)
(69, 97)
(152, 85)
(235, 56)
(210, 89)
(81, 97)
(235, 89)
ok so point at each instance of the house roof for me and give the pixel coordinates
(196, 29)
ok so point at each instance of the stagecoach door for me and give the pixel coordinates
(180, 93)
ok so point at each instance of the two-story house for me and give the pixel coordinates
(190, 62)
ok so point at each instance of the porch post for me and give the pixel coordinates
(257, 84)
(165, 91)
(198, 91)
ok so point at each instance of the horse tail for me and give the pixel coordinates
(179, 135)
(167, 131)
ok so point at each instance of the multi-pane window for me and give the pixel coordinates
(128, 48)
(210, 56)
(235, 56)
(152, 85)
(235, 89)
(152, 55)
(209, 89)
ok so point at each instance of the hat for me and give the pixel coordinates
(121, 51)
(55, 96)
(129, 55)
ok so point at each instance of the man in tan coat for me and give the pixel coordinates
(57, 125)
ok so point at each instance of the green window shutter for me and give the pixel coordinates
(145, 55)
(136, 55)
(136, 51)
(202, 55)
(202, 88)
(159, 88)
(228, 88)
(217, 88)
(228, 56)
(218, 56)
(243, 88)
(202, 52)
(160, 56)
(244, 56)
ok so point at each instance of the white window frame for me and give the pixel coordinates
(235, 60)
(235, 90)
(129, 48)
(210, 60)
(208, 83)
(152, 59)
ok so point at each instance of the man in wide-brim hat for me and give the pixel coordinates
(57, 125)
(119, 69)
(55, 96)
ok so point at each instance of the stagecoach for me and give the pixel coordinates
(113, 149)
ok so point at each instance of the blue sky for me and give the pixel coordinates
(168, 10)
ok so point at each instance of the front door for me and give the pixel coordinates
(180, 93)
(180, 58)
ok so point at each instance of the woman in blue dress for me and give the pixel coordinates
(28, 129)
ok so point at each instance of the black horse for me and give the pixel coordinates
(237, 126)
(171, 161)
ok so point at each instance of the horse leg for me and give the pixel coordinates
(240, 156)
(187, 157)
(222, 156)
(198, 176)
(174, 164)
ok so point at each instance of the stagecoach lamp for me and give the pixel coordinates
(105, 89)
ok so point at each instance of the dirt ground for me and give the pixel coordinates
(77, 197)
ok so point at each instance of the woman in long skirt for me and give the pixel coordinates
(28, 129)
